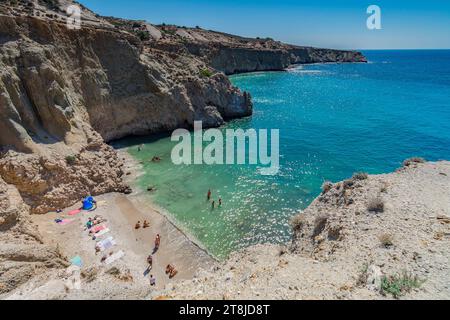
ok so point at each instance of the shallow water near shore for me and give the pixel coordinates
(334, 120)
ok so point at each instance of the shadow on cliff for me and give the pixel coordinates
(131, 141)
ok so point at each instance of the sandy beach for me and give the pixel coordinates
(121, 213)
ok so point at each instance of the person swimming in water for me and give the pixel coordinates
(208, 196)
(220, 202)
(213, 204)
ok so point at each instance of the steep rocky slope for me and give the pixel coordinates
(64, 92)
(22, 253)
(230, 53)
(369, 237)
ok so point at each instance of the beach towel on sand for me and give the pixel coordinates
(74, 212)
(114, 257)
(98, 228)
(100, 233)
(64, 221)
(106, 244)
(77, 261)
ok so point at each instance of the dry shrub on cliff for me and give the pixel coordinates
(298, 222)
(123, 275)
(413, 160)
(347, 184)
(90, 274)
(71, 160)
(319, 224)
(52, 4)
(282, 250)
(386, 240)
(363, 275)
(206, 73)
(384, 187)
(376, 204)
(360, 176)
(326, 186)
(143, 35)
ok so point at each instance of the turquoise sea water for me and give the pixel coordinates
(334, 120)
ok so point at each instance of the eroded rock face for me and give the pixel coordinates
(63, 93)
(49, 182)
(103, 79)
(237, 60)
(233, 54)
(22, 254)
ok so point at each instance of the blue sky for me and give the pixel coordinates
(413, 24)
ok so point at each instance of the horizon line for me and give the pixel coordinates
(401, 49)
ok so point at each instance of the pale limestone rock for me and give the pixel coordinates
(374, 275)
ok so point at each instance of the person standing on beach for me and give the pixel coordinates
(157, 242)
(152, 280)
(208, 196)
(150, 261)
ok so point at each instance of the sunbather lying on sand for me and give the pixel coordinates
(106, 256)
(94, 221)
(171, 271)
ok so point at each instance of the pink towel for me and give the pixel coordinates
(65, 221)
(98, 228)
(74, 212)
